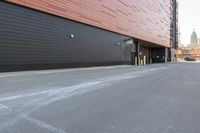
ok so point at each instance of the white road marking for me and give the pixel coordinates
(51, 92)
(44, 125)
(83, 85)
(24, 104)
(37, 122)
(4, 107)
(31, 102)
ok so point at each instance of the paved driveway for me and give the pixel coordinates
(160, 98)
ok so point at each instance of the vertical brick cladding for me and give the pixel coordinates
(148, 20)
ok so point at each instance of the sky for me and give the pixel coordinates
(189, 19)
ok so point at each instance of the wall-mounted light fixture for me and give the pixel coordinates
(71, 35)
(125, 42)
(117, 43)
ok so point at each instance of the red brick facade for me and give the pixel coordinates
(148, 20)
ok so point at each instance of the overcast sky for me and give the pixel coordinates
(189, 19)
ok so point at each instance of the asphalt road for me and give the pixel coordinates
(161, 98)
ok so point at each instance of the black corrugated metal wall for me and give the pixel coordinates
(35, 39)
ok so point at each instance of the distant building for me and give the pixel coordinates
(199, 41)
(179, 36)
(193, 39)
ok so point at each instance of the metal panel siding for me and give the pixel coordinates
(32, 37)
(148, 20)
